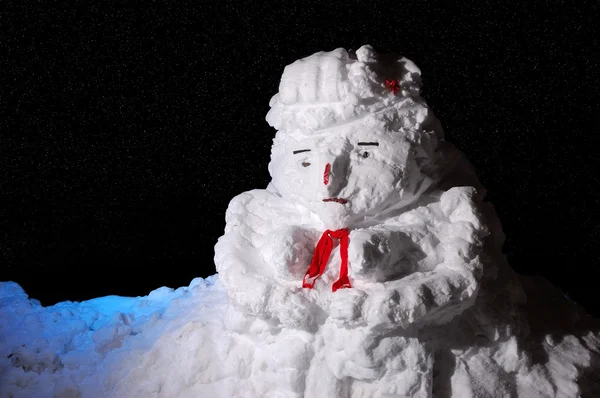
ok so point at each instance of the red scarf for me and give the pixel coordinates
(321, 256)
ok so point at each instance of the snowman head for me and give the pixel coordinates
(348, 148)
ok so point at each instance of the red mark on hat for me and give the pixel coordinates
(393, 85)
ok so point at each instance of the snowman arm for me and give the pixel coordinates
(383, 254)
(259, 213)
(433, 297)
(446, 281)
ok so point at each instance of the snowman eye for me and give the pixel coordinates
(366, 154)
(305, 164)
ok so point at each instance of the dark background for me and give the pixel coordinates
(127, 127)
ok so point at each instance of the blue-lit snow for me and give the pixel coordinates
(75, 347)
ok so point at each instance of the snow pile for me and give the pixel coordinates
(433, 308)
(77, 349)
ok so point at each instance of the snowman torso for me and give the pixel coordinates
(403, 268)
(352, 154)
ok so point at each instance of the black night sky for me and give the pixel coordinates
(126, 127)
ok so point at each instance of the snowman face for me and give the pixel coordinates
(341, 177)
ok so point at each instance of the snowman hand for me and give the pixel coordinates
(381, 255)
(346, 306)
(288, 250)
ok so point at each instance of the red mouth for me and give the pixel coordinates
(336, 200)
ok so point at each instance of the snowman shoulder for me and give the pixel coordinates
(455, 205)
(259, 212)
(451, 220)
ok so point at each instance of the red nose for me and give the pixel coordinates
(326, 174)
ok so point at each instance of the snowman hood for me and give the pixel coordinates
(358, 95)
(332, 88)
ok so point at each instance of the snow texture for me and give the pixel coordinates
(434, 309)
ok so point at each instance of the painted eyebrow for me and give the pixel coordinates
(301, 150)
(369, 143)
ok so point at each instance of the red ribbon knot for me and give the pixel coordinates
(321, 256)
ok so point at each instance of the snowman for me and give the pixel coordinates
(363, 237)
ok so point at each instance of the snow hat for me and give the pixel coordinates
(331, 88)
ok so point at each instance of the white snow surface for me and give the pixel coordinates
(434, 309)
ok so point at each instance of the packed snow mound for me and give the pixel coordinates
(370, 266)
(83, 349)
(177, 343)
